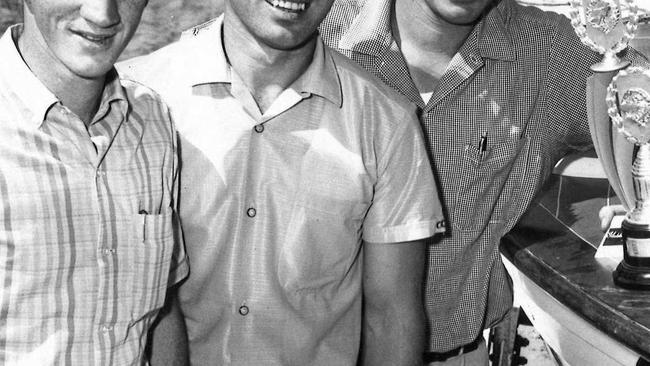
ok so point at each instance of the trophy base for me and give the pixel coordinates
(634, 271)
(610, 65)
(631, 277)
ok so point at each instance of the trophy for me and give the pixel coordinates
(628, 105)
(623, 146)
(605, 26)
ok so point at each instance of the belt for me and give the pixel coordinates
(443, 356)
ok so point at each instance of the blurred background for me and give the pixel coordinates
(162, 21)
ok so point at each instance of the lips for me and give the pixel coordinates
(288, 6)
(98, 38)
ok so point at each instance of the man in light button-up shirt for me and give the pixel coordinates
(306, 193)
(88, 180)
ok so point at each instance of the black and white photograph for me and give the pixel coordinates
(325, 182)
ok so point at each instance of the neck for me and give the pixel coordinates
(266, 71)
(419, 26)
(78, 94)
(427, 42)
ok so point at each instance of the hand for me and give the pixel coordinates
(607, 213)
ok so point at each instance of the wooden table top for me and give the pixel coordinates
(559, 260)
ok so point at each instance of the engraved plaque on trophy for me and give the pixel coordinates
(606, 26)
(628, 102)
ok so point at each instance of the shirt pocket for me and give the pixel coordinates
(488, 183)
(153, 246)
(320, 244)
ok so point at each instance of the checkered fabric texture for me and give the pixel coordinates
(520, 79)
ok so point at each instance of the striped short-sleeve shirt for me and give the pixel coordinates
(88, 241)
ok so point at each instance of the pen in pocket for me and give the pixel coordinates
(482, 145)
(143, 223)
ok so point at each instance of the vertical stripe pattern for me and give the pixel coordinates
(86, 239)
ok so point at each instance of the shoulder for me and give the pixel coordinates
(375, 108)
(544, 39)
(164, 67)
(150, 68)
(339, 20)
(356, 82)
(531, 22)
(145, 105)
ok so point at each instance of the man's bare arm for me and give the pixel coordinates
(393, 321)
(167, 343)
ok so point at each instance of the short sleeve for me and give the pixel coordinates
(406, 204)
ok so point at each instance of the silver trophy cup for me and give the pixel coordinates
(606, 26)
(620, 129)
(628, 106)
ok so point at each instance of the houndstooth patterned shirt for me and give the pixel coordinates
(519, 79)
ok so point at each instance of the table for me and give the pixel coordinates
(568, 294)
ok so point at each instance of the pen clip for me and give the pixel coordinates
(482, 145)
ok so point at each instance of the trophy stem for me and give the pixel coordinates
(609, 63)
(634, 271)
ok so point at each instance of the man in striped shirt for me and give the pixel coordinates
(88, 173)
(500, 90)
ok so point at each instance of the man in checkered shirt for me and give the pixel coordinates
(88, 178)
(501, 94)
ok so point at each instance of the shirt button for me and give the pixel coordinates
(251, 212)
(243, 310)
(259, 128)
(108, 251)
(107, 328)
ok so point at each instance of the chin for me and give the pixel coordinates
(91, 70)
(288, 42)
(463, 19)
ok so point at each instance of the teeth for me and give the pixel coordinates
(287, 5)
(94, 38)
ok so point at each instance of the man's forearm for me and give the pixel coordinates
(392, 336)
(393, 310)
(168, 337)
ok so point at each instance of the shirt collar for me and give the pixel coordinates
(320, 77)
(210, 65)
(34, 95)
(370, 32)
(113, 96)
(494, 39)
(31, 93)
(204, 51)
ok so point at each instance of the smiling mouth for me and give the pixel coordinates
(101, 39)
(288, 6)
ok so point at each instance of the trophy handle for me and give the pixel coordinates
(604, 137)
(640, 214)
(623, 159)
